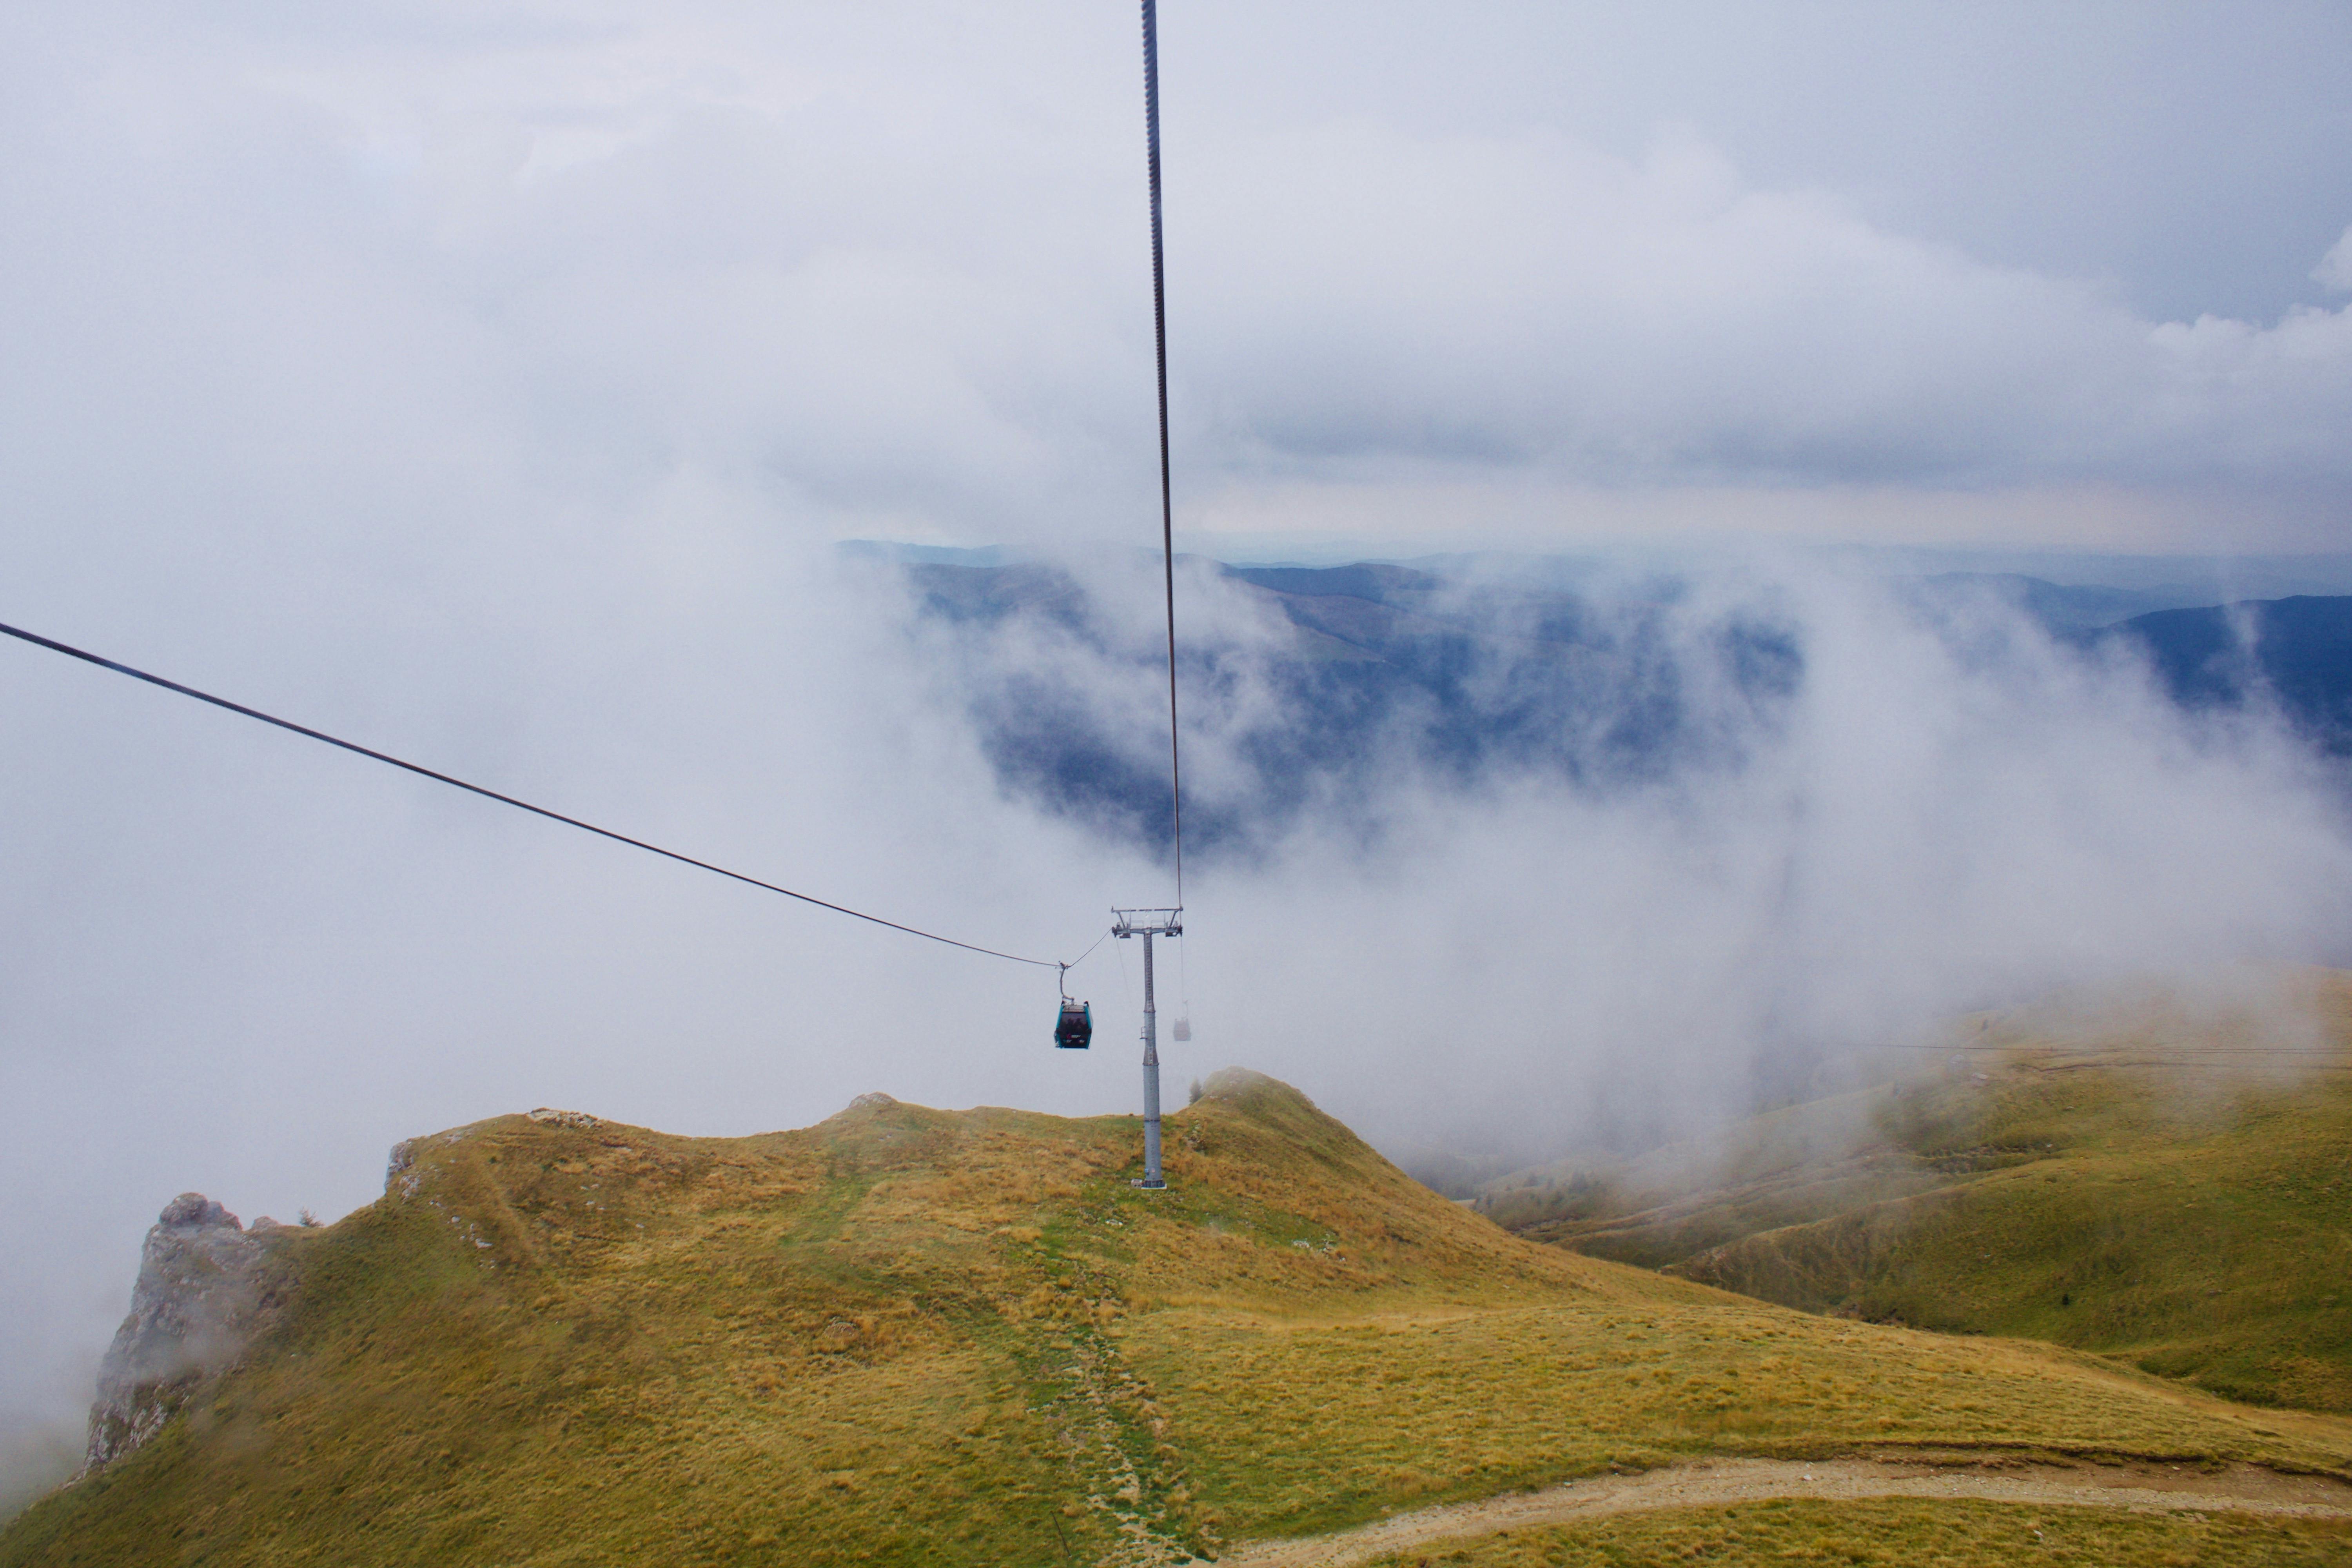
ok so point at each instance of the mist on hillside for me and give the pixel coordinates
(1720, 832)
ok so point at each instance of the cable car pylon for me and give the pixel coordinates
(1147, 925)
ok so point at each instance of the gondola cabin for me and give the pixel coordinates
(1076, 1026)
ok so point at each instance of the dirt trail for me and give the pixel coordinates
(2139, 1485)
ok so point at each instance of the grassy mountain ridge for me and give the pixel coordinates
(2159, 1191)
(913, 1335)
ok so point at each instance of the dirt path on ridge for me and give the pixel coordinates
(2140, 1485)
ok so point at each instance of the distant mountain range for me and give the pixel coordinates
(2291, 654)
(2295, 654)
(2062, 607)
(1380, 669)
(1388, 668)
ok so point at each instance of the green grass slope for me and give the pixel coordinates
(907, 1335)
(2143, 1189)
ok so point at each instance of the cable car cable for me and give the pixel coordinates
(1167, 507)
(321, 735)
(1089, 951)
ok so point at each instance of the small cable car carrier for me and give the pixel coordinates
(1075, 1027)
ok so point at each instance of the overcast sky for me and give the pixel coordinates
(2029, 274)
(490, 382)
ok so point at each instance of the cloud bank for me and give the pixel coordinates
(1777, 813)
(889, 270)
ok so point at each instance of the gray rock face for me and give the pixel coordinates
(196, 1306)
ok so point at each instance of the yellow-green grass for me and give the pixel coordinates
(2162, 1196)
(912, 1335)
(1902, 1533)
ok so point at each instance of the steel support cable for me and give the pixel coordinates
(1089, 951)
(384, 757)
(1073, 963)
(1160, 345)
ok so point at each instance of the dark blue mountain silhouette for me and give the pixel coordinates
(2294, 653)
(1388, 670)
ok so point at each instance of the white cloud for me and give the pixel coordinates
(1371, 297)
(897, 271)
(2335, 269)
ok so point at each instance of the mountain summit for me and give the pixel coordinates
(915, 1335)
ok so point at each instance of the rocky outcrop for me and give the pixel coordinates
(199, 1297)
